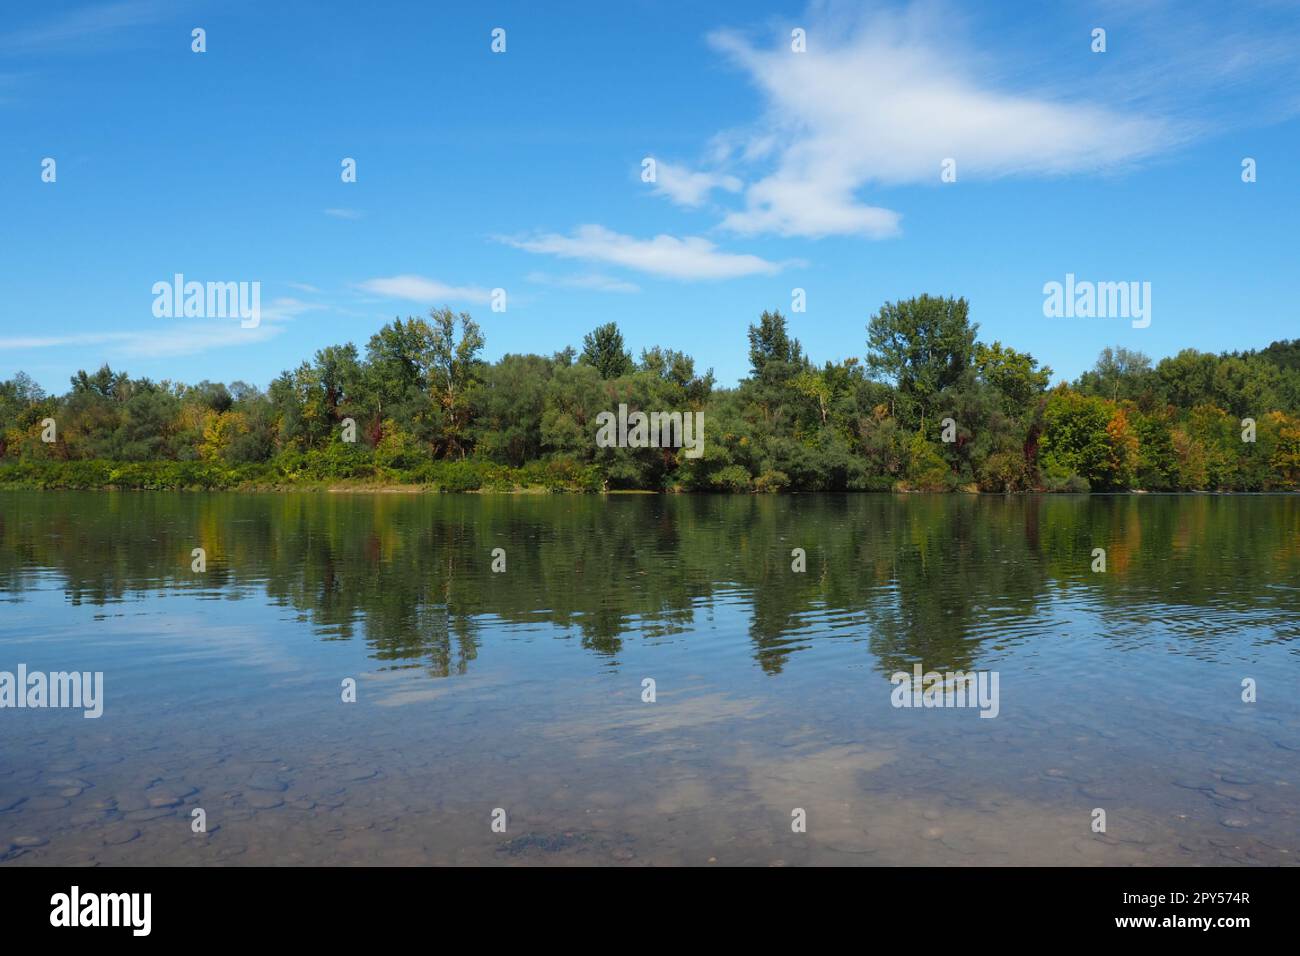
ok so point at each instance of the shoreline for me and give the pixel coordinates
(471, 476)
(539, 490)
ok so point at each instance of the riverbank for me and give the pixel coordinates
(437, 477)
(301, 474)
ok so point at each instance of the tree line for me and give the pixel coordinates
(930, 407)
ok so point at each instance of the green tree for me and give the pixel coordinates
(1087, 437)
(399, 362)
(1118, 373)
(511, 404)
(455, 371)
(923, 345)
(603, 349)
(1015, 374)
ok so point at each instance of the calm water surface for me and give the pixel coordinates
(522, 690)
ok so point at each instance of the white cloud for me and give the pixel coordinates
(420, 289)
(1217, 66)
(51, 341)
(789, 205)
(84, 28)
(174, 337)
(344, 213)
(284, 308)
(691, 257)
(882, 101)
(594, 281)
(688, 187)
(199, 335)
(191, 340)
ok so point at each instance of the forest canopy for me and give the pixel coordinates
(928, 407)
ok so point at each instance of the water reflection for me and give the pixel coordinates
(944, 580)
(523, 688)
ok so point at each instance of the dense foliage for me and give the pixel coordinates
(931, 408)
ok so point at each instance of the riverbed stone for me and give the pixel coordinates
(268, 782)
(149, 813)
(118, 835)
(1232, 793)
(1236, 778)
(45, 803)
(262, 800)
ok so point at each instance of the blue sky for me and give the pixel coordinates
(522, 170)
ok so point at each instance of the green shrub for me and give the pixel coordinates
(459, 476)
(731, 478)
(771, 482)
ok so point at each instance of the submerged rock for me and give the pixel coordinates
(46, 803)
(1233, 794)
(116, 836)
(262, 800)
(267, 782)
(151, 813)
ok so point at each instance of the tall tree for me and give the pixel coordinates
(923, 345)
(603, 349)
(1015, 374)
(773, 355)
(454, 373)
(398, 361)
(1118, 373)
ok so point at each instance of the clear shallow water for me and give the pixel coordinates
(522, 690)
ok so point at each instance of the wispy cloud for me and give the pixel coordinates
(1215, 66)
(690, 258)
(200, 335)
(421, 289)
(592, 281)
(285, 308)
(881, 99)
(86, 27)
(173, 337)
(344, 213)
(688, 187)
